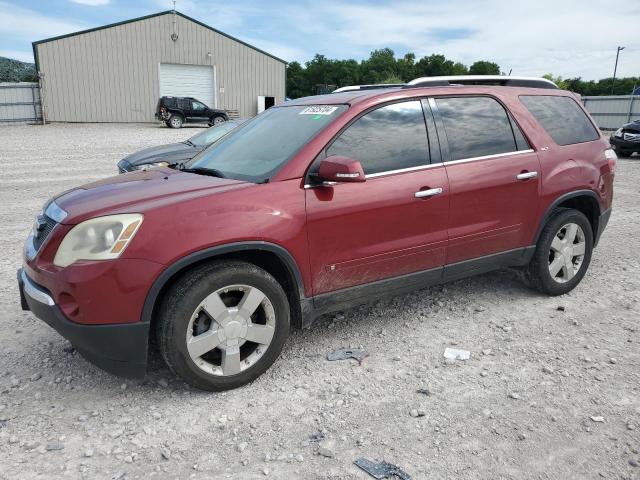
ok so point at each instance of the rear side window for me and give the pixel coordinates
(389, 138)
(477, 127)
(562, 118)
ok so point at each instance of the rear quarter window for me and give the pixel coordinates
(562, 118)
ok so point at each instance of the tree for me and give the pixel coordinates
(380, 65)
(296, 81)
(483, 67)
(437, 65)
(557, 80)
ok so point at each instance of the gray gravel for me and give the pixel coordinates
(547, 393)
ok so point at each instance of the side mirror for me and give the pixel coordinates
(341, 169)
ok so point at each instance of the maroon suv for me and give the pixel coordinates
(314, 206)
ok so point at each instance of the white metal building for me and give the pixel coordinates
(117, 73)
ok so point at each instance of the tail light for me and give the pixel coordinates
(612, 159)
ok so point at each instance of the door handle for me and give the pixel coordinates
(526, 175)
(428, 193)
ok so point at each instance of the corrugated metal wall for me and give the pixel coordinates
(611, 112)
(111, 75)
(20, 103)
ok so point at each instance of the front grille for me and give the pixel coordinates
(631, 137)
(43, 228)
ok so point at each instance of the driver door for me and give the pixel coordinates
(394, 223)
(198, 110)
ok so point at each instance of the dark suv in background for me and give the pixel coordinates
(626, 139)
(175, 111)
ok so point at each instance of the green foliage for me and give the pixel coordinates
(623, 86)
(482, 67)
(16, 71)
(381, 67)
(557, 80)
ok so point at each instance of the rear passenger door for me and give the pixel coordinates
(493, 176)
(394, 223)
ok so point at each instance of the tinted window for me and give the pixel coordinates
(476, 126)
(562, 118)
(257, 149)
(389, 138)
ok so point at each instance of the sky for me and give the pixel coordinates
(570, 38)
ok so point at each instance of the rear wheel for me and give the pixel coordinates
(563, 253)
(175, 121)
(222, 325)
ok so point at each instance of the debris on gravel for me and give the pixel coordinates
(381, 470)
(346, 353)
(456, 354)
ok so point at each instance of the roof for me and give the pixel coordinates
(356, 96)
(166, 12)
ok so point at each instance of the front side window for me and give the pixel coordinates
(256, 150)
(562, 118)
(477, 127)
(392, 137)
(197, 106)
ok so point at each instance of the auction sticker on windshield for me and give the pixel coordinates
(318, 110)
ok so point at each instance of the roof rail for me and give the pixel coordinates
(353, 88)
(503, 80)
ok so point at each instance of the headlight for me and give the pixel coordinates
(147, 166)
(618, 133)
(101, 238)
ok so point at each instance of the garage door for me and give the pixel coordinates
(195, 81)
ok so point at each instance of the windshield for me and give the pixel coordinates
(257, 149)
(212, 134)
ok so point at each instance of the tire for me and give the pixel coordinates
(216, 120)
(184, 317)
(551, 243)
(175, 121)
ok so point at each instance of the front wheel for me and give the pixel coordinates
(563, 253)
(223, 324)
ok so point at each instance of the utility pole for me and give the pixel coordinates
(615, 69)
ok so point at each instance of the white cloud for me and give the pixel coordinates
(29, 25)
(288, 53)
(18, 55)
(570, 38)
(91, 3)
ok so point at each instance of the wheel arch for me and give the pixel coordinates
(585, 201)
(271, 257)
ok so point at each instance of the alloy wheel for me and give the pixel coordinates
(230, 330)
(567, 252)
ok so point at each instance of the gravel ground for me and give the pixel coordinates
(551, 389)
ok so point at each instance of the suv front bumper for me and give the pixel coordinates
(120, 349)
(621, 144)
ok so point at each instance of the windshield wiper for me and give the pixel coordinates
(212, 172)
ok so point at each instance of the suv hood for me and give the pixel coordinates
(162, 153)
(138, 192)
(633, 126)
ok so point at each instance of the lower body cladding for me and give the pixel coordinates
(120, 349)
